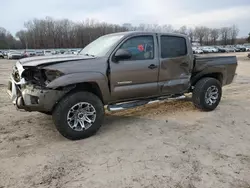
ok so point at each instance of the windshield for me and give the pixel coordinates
(100, 46)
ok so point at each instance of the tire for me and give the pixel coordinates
(200, 91)
(61, 113)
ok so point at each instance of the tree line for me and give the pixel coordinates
(7, 40)
(200, 34)
(64, 33)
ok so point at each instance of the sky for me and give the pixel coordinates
(210, 13)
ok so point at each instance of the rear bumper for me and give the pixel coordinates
(32, 98)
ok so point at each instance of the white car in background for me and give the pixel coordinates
(215, 50)
(197, 50)
(47, 52)
(206, 49)
(12, 54)
(39, 53)
(209, 49)
(74, 51)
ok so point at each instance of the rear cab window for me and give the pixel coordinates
(173, 46)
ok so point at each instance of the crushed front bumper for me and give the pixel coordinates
(33, 98)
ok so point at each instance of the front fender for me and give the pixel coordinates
(87, 77)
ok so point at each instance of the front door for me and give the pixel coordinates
(138, 76)
(175, 64)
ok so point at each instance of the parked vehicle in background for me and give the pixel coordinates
(1, 55)
(236, 49)
(197, 50)
(55, 52)
(29, 53)
(221, 49)
(67, 52)
(62, 51)
(120, 70)
(14, 55)
(207, 49)
(5, 53)
(74, 51)
(230, 49)
(241, 48)
(47, 52)
(39, 53)
(214, 50)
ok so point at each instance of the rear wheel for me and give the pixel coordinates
(79, 115)
(207, 94)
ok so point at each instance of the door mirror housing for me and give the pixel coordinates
(122, 54)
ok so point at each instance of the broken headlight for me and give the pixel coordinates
(40, 77)
(52, 75)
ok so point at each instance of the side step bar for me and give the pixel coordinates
(133, 104)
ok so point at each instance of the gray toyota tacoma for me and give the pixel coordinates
(120, 71)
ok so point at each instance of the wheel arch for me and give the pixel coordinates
(217, 75)
(91, 87)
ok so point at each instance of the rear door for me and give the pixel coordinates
(175, 64)
(138, 76)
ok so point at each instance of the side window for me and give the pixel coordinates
(173, 46)
(141, 47)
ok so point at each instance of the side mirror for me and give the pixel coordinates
(122, 54)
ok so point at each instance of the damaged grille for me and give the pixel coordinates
(15, 74)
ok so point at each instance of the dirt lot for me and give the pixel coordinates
(161, 145)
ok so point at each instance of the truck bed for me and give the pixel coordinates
(224, 65)
(201, 62)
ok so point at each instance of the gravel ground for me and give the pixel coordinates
(170, 144)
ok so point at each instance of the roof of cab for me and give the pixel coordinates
(128, 33)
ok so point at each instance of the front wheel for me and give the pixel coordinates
(78, 115)
(207, 94)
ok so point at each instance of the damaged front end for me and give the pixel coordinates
(28, 90)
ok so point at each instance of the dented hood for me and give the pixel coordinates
(51, 59)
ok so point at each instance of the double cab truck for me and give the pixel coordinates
(117, 71)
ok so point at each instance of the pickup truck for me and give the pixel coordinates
(117, 71)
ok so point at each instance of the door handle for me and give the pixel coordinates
(152, 66)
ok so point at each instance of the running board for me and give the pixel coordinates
(133, 104)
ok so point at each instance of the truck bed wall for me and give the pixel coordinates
(226, 65)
